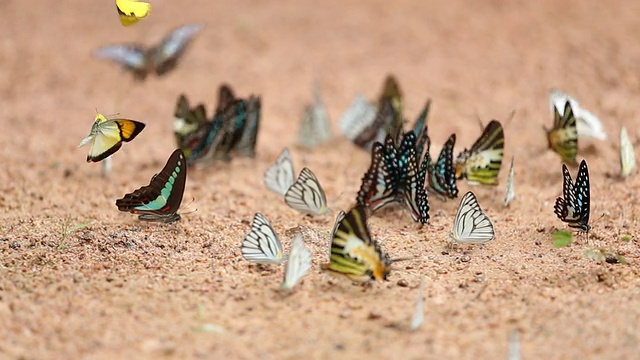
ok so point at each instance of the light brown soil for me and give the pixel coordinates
(121, 288)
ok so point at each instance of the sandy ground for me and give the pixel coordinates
(121, 288)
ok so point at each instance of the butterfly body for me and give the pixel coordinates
(353, 252)
(471, 225)
(160, 200)
(574, 207)
(159, 59)
(481, 164)
(107, 135)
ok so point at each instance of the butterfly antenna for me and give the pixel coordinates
(511, 116)
(187, 206)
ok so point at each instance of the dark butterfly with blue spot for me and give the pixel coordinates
(442, 176)
(158, 59)
(412, 179)
(379, 184)
(573, 207)
(160, 200)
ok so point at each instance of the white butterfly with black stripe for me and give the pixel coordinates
(306, 195)
(261, 245)
(471, 225)
(573, 208)
(298, 263)
(280, 175)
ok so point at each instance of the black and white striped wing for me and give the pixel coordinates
(471, 225)
(262, 245)
(280, 176)
(298, 263)
(306, 195)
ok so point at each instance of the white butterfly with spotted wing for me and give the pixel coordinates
(298, 263)
(627, 154)
(587, 124)
(280, 176)
(511, 193)
(471, 225)
(306, 195)
(262, 245)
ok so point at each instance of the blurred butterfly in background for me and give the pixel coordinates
(418, 315)
(391, 97)
(563, 137)
(481, 164)
(107, 136)
(247, 136)
(160, 200)
(261, 245)
(280, 175)
(131, 11)
(420, 129)
(187, 120)
(358, 116)
(627, 154)
(353, 253)
(298, 263)
(442, 179)
(510, 193)
(159, 59)
(587, 124)
(574, 205)
(471, 225)
(315, 126)
(306, 195)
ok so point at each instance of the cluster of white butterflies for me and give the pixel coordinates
(304, 194)
(262, 246)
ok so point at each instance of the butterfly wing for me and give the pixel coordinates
(107, 136)
(510, 193)
(262, 245)
(390, 105)
(587, 124)
(412, 180)
(306, 195)
(574, 207)
(246, 145)
(420, 129)
(131, 57)
(583, 196)
(353, 252)
(442, 178)
(226, 96)
(627, 154)
(379, 184)
(563, 137)
(166, 55)
(481, 164)
(358, 116)
(298, 263)
(471, 225)
(131, 12)
(161, 199)
(280, 175)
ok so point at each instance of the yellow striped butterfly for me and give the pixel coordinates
(298, 263)
(261, 245)
(481, 164)
(574, 205)
(471, 225)
(587, 124)
(306, 195)
(132, 11)
(107, 136)
(353, 253)
(160, 200)
(159, 59)
(563, 137)
(627, 154)
(187, 120)
(280, 176)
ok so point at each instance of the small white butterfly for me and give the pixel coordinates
(357, 117)
(298, 263)
(314, 127)
(511, 193)
(262, 245)
(588, 125)
(627, 154)
(306, 195)
(280, 176)
(514, 346)
(418, 316)
(471, 225)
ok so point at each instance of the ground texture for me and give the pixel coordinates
(121, 288)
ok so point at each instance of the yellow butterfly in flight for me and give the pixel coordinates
(132, 11)
(107, 135)
(563, 137)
